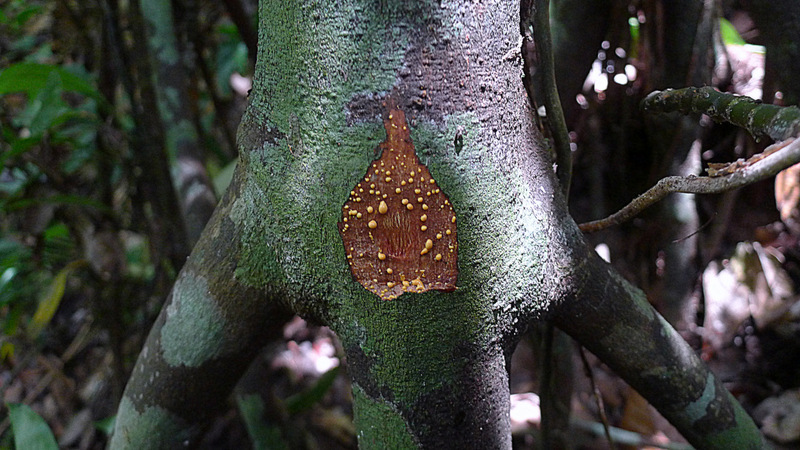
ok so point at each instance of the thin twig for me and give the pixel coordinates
(699, 229)
(598, 398)
(780, 156)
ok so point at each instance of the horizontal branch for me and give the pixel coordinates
(781, 155)
(760, 119)
(777, 122)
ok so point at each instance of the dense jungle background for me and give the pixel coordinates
(117, 136)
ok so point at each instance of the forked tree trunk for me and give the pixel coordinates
(427, 369)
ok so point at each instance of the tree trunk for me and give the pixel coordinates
(428, 369)
(195, 192)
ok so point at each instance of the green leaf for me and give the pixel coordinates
(106, 426)
(30, 430)
(65, 199)
(263, 434)
(55, 231)
(31, 78)
(729, 34)
(6, 276)
(18, 147)
(6, 350)
(13, 260)
(27, 13)
(11, 322)
(45, 107)
(49, 302)
(306, 399)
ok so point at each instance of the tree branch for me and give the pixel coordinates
(606, 314)
(209, 330)
(779, 123)
(782, 155)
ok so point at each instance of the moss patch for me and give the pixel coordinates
(379, 426)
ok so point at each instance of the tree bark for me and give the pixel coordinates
(195, 191)
(427, 369)
(155, 197)
(614, 321)
(209, 330)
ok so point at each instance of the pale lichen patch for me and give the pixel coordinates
(194, 330)
(152, 424)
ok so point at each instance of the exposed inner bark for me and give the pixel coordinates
(398, 227)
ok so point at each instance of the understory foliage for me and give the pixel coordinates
(81, 273)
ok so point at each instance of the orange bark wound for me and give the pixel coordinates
(398, 227)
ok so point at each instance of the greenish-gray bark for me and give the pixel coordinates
(154, 195)
(209, 330)
(615, 322)
(759, 119)
(193, 184)
(428, 370)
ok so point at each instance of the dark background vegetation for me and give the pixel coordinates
(96, 220)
